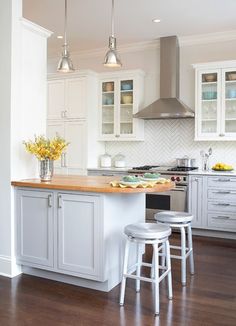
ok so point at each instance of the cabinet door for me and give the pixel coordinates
(228, 104)
(196, 200)
(127, 103)
(75, 98)
(75, 134)
(108, 111)
(35, 227)
(80, 235)
(55, 128)
(56, 99)
(208, 104)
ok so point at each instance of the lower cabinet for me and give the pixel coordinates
(61, 232)
(35, 227)
(196, 200)
(79, 234)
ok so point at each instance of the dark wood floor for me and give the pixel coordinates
(208, 299)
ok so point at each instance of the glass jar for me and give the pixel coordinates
(119, 161)
(105, 161)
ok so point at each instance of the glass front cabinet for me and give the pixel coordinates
(215, 101)
(121, 96)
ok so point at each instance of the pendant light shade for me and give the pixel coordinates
(65, 64)
(112, 59)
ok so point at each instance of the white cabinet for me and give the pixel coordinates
(121, 96)
(35, 228)
(66, 98)
(73, 114)
(221, 203)
(60, 232)
(215, 101)
(73, 161)
(79, 235)
(196, 194)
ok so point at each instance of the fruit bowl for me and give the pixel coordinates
(222, 167)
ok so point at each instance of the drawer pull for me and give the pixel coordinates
(222, 180)
(223, 192)
(49, 200)
(223, 204)
(221, 217)
(59, 201)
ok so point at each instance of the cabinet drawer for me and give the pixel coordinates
(222, 194)
(222, 182)
(222, 206)
(224, 222)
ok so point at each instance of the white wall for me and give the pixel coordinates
(23, 66)
(165, 140)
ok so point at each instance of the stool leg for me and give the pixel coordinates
(168, 265)
(163, 257)
(153, 263)
(139, 262)
(190, 246)
(156, 279)
(125, 268)
(183, 256)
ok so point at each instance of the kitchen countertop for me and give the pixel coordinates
(99, 184)
(212, 172)
(111, 169)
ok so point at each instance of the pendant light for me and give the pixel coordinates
(112, 58)
(65, 64)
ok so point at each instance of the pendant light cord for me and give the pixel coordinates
(112, 20)
(65, 27)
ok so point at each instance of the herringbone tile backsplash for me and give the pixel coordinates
(166, 140)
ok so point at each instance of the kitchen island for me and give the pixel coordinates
(71, 229)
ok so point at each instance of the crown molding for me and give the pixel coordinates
(35, 28)
(155, 44)
(207, 38)
(125, 48)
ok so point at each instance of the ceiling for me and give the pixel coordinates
(89, 21)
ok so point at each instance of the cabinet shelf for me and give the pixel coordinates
(205, 120)
(209, 83)
(108, 92)
(107, 123)
(108, 105)
(127, 91)
(212, 100)
(230, 119)
(126, 122)
(230, 81)
(231, 99)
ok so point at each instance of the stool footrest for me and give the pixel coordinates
(147, 279)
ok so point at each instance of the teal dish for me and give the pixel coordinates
(126, 86)
(231, 93)
(209, 95)
(131, 178)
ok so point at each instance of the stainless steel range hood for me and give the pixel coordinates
(168, 106)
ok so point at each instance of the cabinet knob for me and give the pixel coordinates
(65, 113)
(196, 179)
(221, 135)
(62, 114)
(117, 136)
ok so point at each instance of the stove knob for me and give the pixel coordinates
(172, 178)
(178, 179)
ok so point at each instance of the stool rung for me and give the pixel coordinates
(147, 279)
(163, 275)
(178, 248)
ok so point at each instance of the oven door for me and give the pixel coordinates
(174, 200)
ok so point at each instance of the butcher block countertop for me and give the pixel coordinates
(99, 184)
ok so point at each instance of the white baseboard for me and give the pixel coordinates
(8, 267)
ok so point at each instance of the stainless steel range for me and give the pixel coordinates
(175, 199)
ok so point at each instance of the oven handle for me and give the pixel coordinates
(183, 189)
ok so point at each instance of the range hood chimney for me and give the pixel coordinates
(168, 106)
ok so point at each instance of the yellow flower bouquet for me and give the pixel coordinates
(47, 151)
(44, 148)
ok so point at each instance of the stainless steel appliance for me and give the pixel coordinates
(175, 199)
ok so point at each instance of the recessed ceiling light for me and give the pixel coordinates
(156, 20)
(59, 36)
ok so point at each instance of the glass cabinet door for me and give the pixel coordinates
(108, 108)
(126, 107)
(229, 101)
(208, 102)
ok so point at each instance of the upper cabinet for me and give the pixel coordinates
(215, 101)
(121, 96)
(66, 98)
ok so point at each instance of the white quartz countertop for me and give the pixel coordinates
(212, 172)
(111, 169)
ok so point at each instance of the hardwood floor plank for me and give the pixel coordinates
(209, 299)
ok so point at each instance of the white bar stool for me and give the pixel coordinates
(179, 220)
(142, 234)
